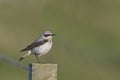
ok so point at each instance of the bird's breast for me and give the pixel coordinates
(42, 49)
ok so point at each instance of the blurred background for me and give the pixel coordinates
(87, 41)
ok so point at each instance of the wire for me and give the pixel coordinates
(13, 62)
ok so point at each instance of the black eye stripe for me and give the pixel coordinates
(47, 35)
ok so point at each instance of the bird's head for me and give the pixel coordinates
(48, 35)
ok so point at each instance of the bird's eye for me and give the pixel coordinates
(46, 35)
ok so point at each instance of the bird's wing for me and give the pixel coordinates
(33, 45)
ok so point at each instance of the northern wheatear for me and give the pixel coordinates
(40, 46)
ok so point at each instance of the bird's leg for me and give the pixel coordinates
(37, 58)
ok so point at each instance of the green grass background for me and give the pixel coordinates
(87, 41)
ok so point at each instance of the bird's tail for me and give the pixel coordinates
(29, 53)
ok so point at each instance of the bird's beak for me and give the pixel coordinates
(53, 34)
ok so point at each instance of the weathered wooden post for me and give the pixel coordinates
(42, 71)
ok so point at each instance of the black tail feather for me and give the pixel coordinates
(22, 50)
(21, 58)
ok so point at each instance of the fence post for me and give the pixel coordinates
(42, 71)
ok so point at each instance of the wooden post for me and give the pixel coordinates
(42, 71)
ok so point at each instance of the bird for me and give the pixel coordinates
(40, 46)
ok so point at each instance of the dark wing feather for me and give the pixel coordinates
(33, 45)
